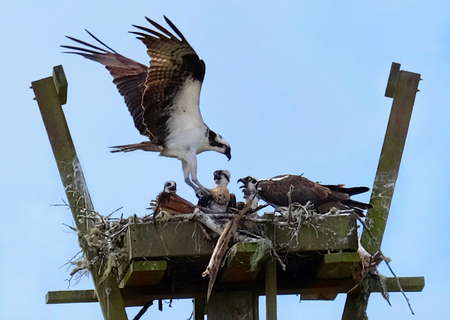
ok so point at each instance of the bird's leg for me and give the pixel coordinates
(186, 176)
(201, 189)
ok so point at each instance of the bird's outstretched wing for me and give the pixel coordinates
(153, 94)
(129, 75)
(176, 72)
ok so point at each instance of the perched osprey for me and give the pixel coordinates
(220, 198)
(324, 197)
(164, 98)
(169, 201)
(249, 190)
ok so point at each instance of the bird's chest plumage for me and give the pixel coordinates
(187, 131)
(221, 195)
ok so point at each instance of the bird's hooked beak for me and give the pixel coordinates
(173, 188)
(228, 153)
(244, 181)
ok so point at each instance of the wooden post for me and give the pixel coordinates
(50, 94)
(271, 278)
(199, 309)
(402, 86)
(233, 305)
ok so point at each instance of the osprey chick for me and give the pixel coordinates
(170, 202)
(163, 99)
(249, 190)
(324, 197)
(220, 198)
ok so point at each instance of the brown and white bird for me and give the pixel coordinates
(163, 99)
(249, 190)
(275, 192)
(220, 198)
(170, 202)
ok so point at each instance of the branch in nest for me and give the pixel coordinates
(221, 248)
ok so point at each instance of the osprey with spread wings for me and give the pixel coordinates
(163, 99)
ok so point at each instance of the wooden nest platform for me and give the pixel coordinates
(135, 261)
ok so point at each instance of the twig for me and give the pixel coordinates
(143, 310)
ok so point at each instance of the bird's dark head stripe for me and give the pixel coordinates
(213, 142)
(221, 173)
(212, 137)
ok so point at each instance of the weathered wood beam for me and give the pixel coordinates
(271, 286)
(199, 309)
(237, 267)
(232, 305)
(331, 233)
(139, 296)
(49, 102)
(402, 86)
(175, 239)
(61, 85)
(319, 296)
(144, 273)
(338, 265)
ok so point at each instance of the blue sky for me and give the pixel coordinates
(295, 87)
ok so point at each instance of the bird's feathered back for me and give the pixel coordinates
(282, 190)
(274, 190)
(170, 202)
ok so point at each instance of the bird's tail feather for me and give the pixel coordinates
(349, 191)
(145, 146)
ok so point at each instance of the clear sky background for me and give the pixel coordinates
(295, 87)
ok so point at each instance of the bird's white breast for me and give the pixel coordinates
(187, 131)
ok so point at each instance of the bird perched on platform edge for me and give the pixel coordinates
(163, 99)
(324, 197)
(169, 201)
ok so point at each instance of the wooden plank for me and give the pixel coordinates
(61, 85)
(392, 80)
(199, 309)
(332, 233)
(184, 239)
(76, 190)
(174, 239)
(319, 296)
(70, 296)
(402, 86)
(138, 296)
(144, 273)
(338, 265)
(237, 267)
(271, 286)
(391, 155)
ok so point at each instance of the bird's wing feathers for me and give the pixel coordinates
(151, 93)
(174, 65)
(129, 75)
(173, 204)
(275, 190)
